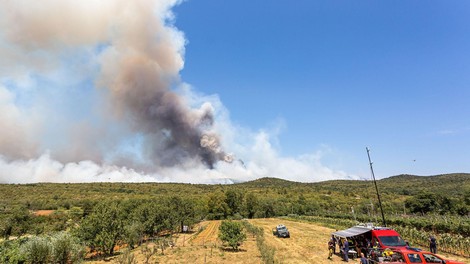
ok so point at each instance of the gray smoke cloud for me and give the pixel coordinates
(139, 54)
(90, 92)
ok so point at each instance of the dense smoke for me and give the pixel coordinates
(90, 91)
(139, 55)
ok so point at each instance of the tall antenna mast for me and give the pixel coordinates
(376, 189)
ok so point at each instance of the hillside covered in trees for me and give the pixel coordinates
(443, 194)
(102, 215)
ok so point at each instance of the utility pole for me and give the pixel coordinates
(352, 210)
(376, 189)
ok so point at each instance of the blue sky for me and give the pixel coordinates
(341, 75)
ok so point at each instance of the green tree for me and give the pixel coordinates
(102, 229)
(217, 207)
(266, 209)
(300, 205)
(155, 216)
(133, 234)
(232, 233)
(234, 201)
(251, 205)
(422, 203)
(183, 211)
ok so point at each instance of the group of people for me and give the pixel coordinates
(343, 247)
(362, 247)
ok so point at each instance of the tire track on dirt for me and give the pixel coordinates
(209, 234)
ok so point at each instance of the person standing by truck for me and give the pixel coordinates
(432, 244)
(333, 240)
(331, 247)
(346, 250)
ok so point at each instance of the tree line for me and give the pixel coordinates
(100, 216)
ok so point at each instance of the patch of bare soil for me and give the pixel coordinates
(208, 235)
(43, 212)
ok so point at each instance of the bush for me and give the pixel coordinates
(59, 248)
(66, 248)
(232, 233)
(37, 250)
(267, 252)
(10, 251)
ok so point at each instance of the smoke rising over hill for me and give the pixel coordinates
(90, 91)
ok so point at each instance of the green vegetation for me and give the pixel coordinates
(267, 252)
(102, 216)
(231, 232)
(59, 247)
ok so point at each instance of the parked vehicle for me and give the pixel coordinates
(281, 231)
(378, 237)
(408, 256)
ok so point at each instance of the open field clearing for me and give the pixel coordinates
(203, 247)
(307, 244)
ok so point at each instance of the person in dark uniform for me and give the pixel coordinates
(346, 250)
(333, 240)
(432, 244)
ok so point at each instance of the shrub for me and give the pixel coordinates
(267, 252)
(232, 233)
(66, 248)
(37, 250)
(10, 251)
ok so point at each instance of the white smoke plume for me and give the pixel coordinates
(90, 91)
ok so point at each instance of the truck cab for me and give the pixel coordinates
(368, 236)
(386, 238)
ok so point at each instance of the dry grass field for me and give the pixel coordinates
(307, 244)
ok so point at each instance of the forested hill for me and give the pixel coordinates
(452, 184)
(421, 194)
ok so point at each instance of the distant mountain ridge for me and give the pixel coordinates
(401, 184)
